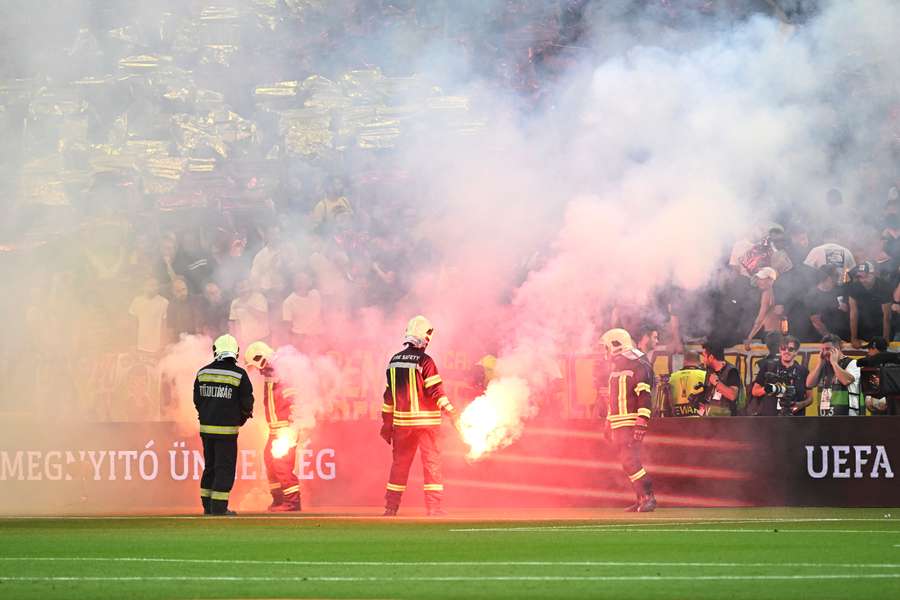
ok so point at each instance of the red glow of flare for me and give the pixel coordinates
(495, 419)
(284, 440)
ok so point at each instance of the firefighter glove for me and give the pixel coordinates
(640, 428)
(387, 432)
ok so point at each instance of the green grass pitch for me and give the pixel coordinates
(810, 553)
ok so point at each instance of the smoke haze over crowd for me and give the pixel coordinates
(654, 139)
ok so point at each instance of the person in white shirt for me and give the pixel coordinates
(267, 269)
(302, 311)
(150, 311)
(830, 253)
(249, 315)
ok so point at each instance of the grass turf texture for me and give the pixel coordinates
(673, 553)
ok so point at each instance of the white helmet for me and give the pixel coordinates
(258, 354)
(225, 346)
(418, 331)
(617, 341)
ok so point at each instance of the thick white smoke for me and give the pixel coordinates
(654, 161)
(662, 141)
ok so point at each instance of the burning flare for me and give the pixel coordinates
(284, 440)
(495, 419)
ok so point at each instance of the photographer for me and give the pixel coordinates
(722, 385)
(877, 355)
(780, 385)
(833, 375)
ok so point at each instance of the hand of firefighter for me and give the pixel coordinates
(640, 428)
(457, 425)
(387, 432)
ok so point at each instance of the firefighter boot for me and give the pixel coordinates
(219, 508)
(390, 511)
(637, 504)
(277, 499)
(435, 511)
(648, 504)
(205, 501)
(291, 504)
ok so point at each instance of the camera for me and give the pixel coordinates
(781, 388)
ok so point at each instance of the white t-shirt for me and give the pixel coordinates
(304, 313)
(265, 272)
(253, 326)
(150, 313)
(830, 254)
(857, 400)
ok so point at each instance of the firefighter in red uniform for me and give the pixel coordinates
(278, 400)
(628, 414)
(411, 417)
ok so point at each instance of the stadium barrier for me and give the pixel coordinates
(153, 467)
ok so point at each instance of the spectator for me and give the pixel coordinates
(780, 385)
(797, 244)
(214, 311)
(267, 269)
(790, 294)
(773, 342)
(648, 340)
(830, 253)
(766, 319)
(198, 264)
(749, 256)
(889, 257)
(171, 264)
(826, 304)
(230, 263)
(302, 311)
(722, 385)
(327, 211)
(249, 314)
(870, 305)
(150, 311)
(182, 315)
(733, 308)
(833, 375)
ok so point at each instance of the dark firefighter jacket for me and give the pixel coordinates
(630, 389)
(223, 396)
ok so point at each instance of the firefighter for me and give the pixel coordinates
(278, 400)
(223, 396)
(628, 414)
(411, 417)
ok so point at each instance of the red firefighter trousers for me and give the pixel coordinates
(283, 483)
(405, 441)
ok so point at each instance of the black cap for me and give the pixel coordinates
(877, 342)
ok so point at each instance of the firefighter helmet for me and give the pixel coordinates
(225, 346)
(617, 341)
(418, 331)
(258, 354)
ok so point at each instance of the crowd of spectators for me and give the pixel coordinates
(197, 169)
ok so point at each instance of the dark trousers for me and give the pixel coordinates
(629, 452)
(283, 483)
(405, 441)
(220, 456)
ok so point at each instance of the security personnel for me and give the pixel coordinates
(411, 417)
(278, 400)
(628, 414)
(223, 396)
(685, 388)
